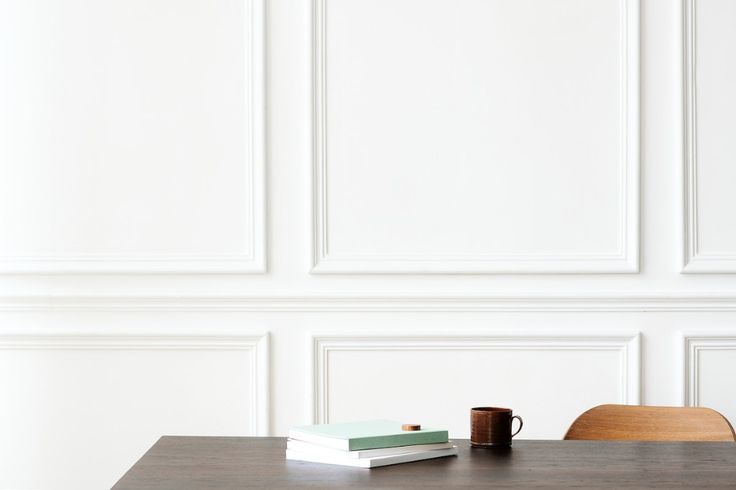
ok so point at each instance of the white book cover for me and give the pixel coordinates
(373, 462)
(307, 447)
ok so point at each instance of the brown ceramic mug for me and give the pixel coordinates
(491, 426)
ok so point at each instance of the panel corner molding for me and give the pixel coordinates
(628, 345)
(694, 260)
(258, 345)
(624, 260)
(692, 347)
(253, 258)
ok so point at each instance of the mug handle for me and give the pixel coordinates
(521, 424)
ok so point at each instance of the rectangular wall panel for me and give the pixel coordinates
(435, 380)
(710, 102)
(476, 136)
(132, 136)
(77, 411)
(710, 363)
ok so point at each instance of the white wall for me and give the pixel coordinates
(394, 208)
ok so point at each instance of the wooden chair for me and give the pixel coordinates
(636, 423)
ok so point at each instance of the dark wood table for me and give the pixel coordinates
(202, 463)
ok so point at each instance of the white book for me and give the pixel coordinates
(307, 447)
(373, 462)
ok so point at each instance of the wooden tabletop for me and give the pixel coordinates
(204, 463)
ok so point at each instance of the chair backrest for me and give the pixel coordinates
(636, 423)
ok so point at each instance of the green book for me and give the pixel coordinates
(369, 434)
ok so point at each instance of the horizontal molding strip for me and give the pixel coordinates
(366, 303)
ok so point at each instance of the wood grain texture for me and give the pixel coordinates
(635, 423)
(205, 463)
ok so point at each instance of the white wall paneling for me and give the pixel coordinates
(710, 368)
(437, 375)
(710, 150)
(482, 141)
(476, 137)
(120, 151)
(96, 402)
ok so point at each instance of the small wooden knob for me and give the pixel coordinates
(411, 427)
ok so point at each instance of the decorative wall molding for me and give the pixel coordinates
(625, 261)
(695, 261)
(253, 259)
(700, 302)
(693, 345)
(257, 345)
(322, 345)
(690, 223)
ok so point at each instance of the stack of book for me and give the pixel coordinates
(366, 444)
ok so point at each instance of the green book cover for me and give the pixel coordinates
(370, 434)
